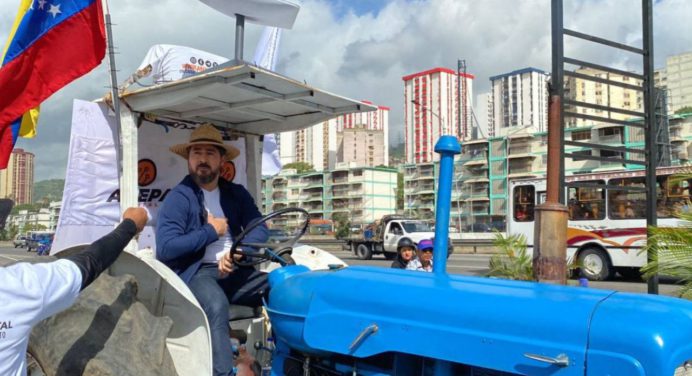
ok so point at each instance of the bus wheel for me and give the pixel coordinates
(364, 252)
(594, 265)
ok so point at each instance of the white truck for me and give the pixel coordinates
(384, 237)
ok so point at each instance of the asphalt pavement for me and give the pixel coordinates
(477, 265)
(466, 264)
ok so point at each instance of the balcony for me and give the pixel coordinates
(479, 159)
(340, 193)
(516, 171)
(313, 188)
(676, 136)
(477, 180)
(426, 205)
(612, 139)
(475, 191)
(476, 154)
(278, 206)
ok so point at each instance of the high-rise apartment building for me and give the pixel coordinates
(362, 194)
(362, 146)
(518, 99)
(676, 78)
(322, 144)
(588, 91)
(434, 106)
(17, 180)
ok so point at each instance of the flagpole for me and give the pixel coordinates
(115, 95)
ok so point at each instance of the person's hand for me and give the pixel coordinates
(225, 265)
(138, 216)
(220, 225)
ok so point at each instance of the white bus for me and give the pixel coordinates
(607, 227)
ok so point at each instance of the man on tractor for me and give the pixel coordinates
(197, 225)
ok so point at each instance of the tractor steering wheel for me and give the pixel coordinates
(277, 251)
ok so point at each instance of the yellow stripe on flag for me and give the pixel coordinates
(29, 123)
(30, 118)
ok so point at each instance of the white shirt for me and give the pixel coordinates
(215, 250)
(415, 264)
(30, 293)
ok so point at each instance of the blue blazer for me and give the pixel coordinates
(182, 231)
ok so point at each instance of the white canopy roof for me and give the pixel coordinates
(279, 13)
(245, 98)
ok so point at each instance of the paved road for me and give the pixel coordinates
(477, 265)
(467, 264)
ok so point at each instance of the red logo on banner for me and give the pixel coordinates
(147, 172)
(228, 171)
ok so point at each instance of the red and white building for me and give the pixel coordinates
(431, 110)
(17, 180)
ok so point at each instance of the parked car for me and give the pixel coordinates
(20, 241)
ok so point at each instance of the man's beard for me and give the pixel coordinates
(203, 179)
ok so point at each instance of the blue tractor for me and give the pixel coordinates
(374, 321)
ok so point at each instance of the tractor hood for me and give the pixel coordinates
(492, 323)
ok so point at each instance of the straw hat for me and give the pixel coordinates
(205, 134)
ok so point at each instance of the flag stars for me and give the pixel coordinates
(41, 4)
(54, 10)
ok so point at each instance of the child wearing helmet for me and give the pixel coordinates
(405, 251)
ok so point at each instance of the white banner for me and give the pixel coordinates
(90, 206)
(170, 62)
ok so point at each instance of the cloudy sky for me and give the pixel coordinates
(362, 48)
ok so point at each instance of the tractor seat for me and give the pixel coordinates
(241, 312)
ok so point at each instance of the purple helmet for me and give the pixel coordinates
(425, 244)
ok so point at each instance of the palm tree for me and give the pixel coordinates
(672, 250)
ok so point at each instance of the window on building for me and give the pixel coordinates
(612, 154)
(581, 135)
(524, 203)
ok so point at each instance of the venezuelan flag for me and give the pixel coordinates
(52, 43)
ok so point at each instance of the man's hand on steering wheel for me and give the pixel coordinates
(226, 263)
(273, 251)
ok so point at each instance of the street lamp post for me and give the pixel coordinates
(456, 181)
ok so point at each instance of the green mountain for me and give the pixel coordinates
(48, 189)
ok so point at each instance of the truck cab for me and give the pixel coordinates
(413, 229)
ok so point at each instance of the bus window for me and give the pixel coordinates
(676, 198)
(627, 204)
(524, 202)
(586, 203)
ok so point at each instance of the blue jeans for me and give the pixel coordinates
(245, 286)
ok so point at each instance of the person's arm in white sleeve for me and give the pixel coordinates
(62, 280)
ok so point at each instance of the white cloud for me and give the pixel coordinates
(365, 56)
